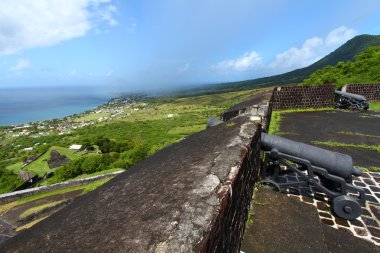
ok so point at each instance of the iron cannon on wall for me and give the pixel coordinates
(319, 169)
(345, 100)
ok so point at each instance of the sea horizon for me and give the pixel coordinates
(24, 105)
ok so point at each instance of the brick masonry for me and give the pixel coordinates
(370, 91)
(293, 97)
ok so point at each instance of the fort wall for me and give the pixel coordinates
(370, 91)
(293, 97)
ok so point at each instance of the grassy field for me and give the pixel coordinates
(152, 126)
(92, 116)
(274, 126)
(40, 166)
(39, 208)
(14, 167)
(374, 105)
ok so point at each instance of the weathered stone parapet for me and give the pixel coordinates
(13, 196)
(192, 196)
(292, 97)
(257, 106)
(370, 91)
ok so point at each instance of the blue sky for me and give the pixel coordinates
(135, 45)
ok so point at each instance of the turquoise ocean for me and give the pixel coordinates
(23, 105)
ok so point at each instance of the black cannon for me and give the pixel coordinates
(345, 100)
(325, 171)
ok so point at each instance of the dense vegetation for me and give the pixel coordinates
(365, 69)
(8, 180)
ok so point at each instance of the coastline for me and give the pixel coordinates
(26, 105)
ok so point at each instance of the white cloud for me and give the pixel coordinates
(339, 36)
(28, 24)
(246, 62)
(303, 56)
(106, 14)
(21, 65)
(312, 50)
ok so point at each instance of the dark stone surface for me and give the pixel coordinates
(369, 221)
(374, 231)
(376, 211)
(56, 159)
(340, 241)
(329, 125)
(283, 224)
(323, 206)
(371, 198)
(191, 196)
(327, 222)
(374, 188)
(325, 215)
(341, 222)
(357, 223)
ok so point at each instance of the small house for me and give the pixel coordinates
(75, 147)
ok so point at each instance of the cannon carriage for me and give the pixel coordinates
(325, 171)
(345, 100)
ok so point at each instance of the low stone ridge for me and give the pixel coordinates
(192, 196)
(290, 97)
(370, 91)
(56, 159)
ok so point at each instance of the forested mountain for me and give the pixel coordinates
(365, 69)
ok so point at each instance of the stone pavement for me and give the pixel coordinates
(366, 227)
(285, 224)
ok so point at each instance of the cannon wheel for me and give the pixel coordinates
(346, 207)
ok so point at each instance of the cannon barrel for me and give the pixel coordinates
(335, 163)
(350, 95)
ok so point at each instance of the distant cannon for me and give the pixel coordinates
(325, 171)
(345, 100)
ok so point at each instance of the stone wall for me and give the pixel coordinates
(13, 196)
(370, 91)
(292, 97)
(256, 106)
(192, 196)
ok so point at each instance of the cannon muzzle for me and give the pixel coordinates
(350, 95)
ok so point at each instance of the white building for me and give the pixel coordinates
(75, 147)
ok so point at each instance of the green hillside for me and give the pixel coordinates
(40, 166)
(365, 69)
